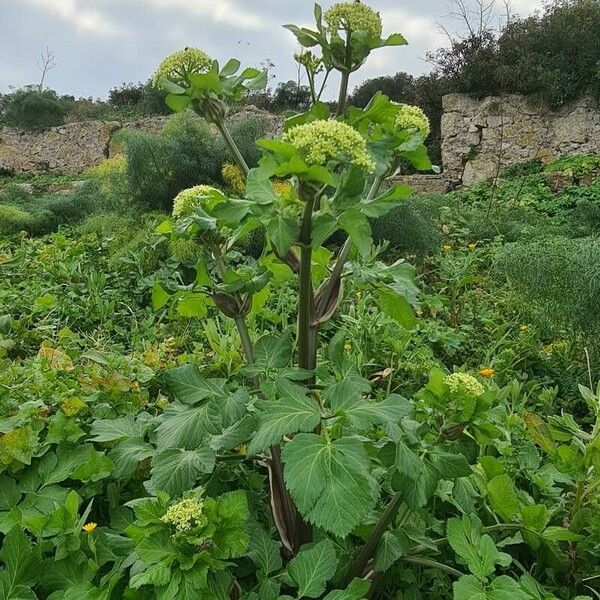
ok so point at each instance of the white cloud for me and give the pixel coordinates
(85, 20)
(417, 30)
(218, 11)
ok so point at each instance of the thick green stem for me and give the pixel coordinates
(242, 328)
(235, 152)
(368, 550)
(341, 106)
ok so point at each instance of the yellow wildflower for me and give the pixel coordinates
(353, 16)
(487, 372)
(446, 248)
(472, 246)
(524, 328)
(325, 140)
(347, 346)
(177, 66)
(90, 527)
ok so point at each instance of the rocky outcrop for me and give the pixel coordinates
(480, 137)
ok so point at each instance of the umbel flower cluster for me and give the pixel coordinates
(464, 383)
(177, 66)
(186, 201)
(185, 515)
(325, 140)
(353, 16)
(412, 117)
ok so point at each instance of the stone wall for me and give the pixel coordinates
(71, 149)
(480, 137)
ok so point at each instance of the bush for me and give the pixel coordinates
(411, 227)
(33, 110)
(160, 165)
(13, 219)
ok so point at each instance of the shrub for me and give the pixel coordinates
(14, 219)
(160, 165)
(33, 110)
(410, 227)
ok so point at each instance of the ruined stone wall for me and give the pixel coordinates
(480, 137)
(72, 148)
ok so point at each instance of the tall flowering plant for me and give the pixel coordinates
(303, 410)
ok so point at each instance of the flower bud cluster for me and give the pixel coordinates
(322, 141)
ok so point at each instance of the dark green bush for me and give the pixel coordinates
(14, 219)
(245, 133)
(411, 227)
(34, 110)
(560, 278)
(160, 165)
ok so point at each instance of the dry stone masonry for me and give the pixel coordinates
(71, 149)
(480, 137)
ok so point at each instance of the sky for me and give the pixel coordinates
(98, 44)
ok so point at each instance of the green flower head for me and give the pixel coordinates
(185, 515)
(177, 66)
(322, 141)
(412, 117)
(186, 201)
(464, 383)
(353, 16)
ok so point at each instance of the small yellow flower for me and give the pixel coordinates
(446, 248)
(347, 346)
(90, 527)
(135, 386)
(524, 328)
(472, 246)
(487, 372)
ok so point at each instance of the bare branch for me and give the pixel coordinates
(44, 64)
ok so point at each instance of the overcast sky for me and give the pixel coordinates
(101, 43)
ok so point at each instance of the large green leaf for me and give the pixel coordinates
(175, 471)
(183, 426)
(503, 497)
(128, 454)
(330, 481)
(289, 414)
(188, 386)
(477, 551)
(264, 552)
(392, 546)
(283, 232)
(312, 568)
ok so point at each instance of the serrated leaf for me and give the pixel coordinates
(175, 471)
(397, 307)
(357, 590)
(283, 232)
(450, 466)
(392, 546)
(503, 497)
(128, 454)
(357, 226)
(264, 552)
(112, 430)
(188, 386)
(289, 414)
(192, 306)
(330, 481)
(312, 568)
(183, 426)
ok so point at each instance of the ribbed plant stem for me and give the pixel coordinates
(235, 151)
(341, 107)
(242, 328)
(368, 550)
